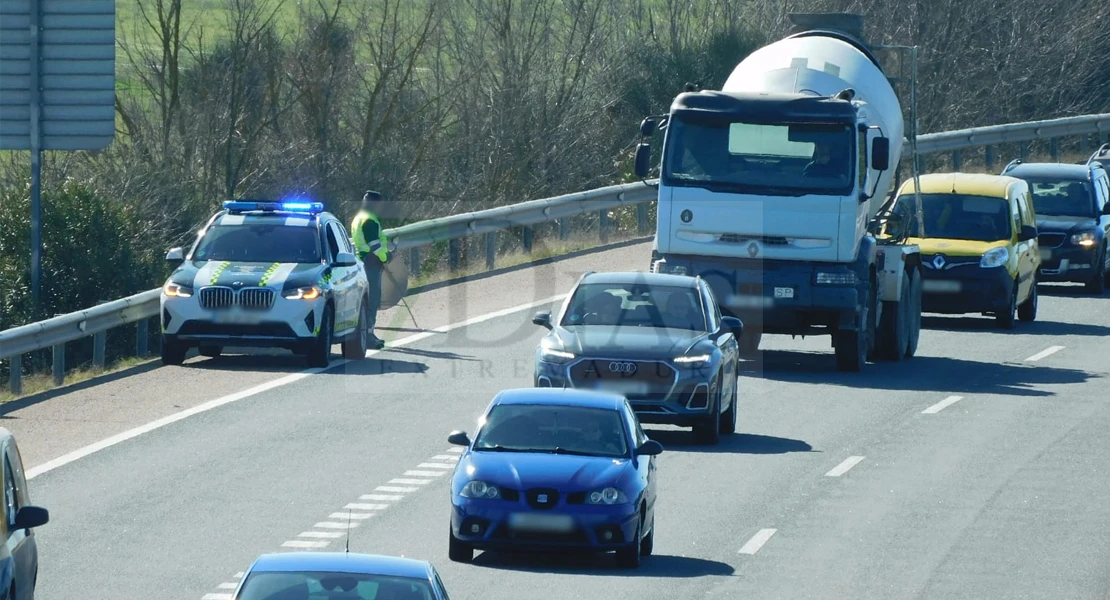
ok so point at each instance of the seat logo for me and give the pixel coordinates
(938, 261)
(542, 498)
(622, 367)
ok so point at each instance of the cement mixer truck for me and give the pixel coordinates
(769, 190)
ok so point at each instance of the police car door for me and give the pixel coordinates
(344, 281)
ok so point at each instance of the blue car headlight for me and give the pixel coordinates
(607, 496)
(995, 257)
(480, 489)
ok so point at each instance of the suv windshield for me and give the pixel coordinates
(1063, 198)
(637, 305)
(958, 217)
(308, 585)
(784, 159)
(263, 243)
(547, 428)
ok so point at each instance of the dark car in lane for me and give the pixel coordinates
(657, 339)
(555, 470)
(1072, 203)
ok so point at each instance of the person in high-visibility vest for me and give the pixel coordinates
(372, 248)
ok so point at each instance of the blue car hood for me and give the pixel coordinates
(521, 471)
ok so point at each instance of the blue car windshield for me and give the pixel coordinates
(635, 305)
(309, 585)
(557, 429)
(262, 243)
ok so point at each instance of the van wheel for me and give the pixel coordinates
(1028, 310)
(1005, 318)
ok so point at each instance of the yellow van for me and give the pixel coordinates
(979, 249)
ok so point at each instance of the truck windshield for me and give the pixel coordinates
(758, 158)
(1063, 198)
(957, 217)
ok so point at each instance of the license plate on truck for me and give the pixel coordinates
(784, 292)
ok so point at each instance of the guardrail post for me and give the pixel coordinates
(526, 238)
(1023, 149)
(491, 250)
(564, 228)
(642, 217)
(604, 226)
(1083, 144)
(988, 157)
(453, 254)
(100, 339)
(15, 375)
(414, 262)
(956, 160)
(1054, 149)
(59, 364)
(142, 336)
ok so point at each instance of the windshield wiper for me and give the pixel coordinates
(571, 452)
(500, 448)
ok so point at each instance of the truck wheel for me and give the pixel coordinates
(914, 312)
(893, 338)
(1028, 310)
(853, 347)
(749, 343)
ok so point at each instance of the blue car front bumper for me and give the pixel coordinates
(496, 525)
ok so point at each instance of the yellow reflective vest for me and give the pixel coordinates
(379, 247)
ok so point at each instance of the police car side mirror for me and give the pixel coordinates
(345, 259)
(175, 255)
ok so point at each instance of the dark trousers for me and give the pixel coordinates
(374, 274)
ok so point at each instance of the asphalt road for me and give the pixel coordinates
(967, 472)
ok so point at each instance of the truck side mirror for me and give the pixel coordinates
(880, 153)
(643, 160)
(647, 127)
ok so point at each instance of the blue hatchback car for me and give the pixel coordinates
(555, 469)
(351, 576)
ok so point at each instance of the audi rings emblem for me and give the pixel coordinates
(622, 367)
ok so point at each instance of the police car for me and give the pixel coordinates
(267, 274)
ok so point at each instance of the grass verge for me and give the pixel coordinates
(39, 383)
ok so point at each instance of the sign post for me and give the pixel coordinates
(57, 88)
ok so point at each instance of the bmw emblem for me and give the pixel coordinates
(753, 249)
(938, 261)
(687, 216)
(237, 284)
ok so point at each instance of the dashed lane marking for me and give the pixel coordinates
(943, 404)
(1046, 352)
(843, 467)
(341, 522)
(757, 541)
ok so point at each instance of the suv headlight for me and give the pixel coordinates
(304, 293)
(995, 257)
(552, 355)
(1085, 239)
(176, 290)
(480, 489)
(607, 496)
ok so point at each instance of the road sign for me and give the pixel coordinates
(57, 87)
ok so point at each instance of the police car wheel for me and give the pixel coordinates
(356, 346)
(211, 351)
(319, 355)
(173, 353)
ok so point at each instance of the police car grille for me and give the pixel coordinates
(256, 298)
(216, 297)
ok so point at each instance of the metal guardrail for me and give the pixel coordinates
(56, 332)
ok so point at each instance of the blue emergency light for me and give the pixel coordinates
(254, 205)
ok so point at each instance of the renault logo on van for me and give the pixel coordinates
(753, 249)
(938, 261)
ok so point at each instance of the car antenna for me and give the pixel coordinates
(347, 543)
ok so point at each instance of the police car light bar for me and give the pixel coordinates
(250, 205)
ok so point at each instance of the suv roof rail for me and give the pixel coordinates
(1010, 165)
(1102, 152)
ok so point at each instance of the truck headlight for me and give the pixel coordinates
(837, 278)
(995, 257)
(1085, 239)
(480, 489)
(176, 290)
(609, 496)
(304, 293)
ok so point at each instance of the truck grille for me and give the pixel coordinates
(739, 238)
(650, 372)
(218, 297)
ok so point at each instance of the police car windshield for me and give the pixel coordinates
(262, 242)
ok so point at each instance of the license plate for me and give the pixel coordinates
(622, 387)
(1046, 254)
(545, 523)
(236, 318)
(784, 292)
(941, 286)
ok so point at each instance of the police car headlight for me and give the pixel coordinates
(176, 290)
(305, 293)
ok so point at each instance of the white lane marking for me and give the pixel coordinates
(380, 497)
(333, 525)
(445, 457)
(456, 449)
(411, 481)
(393, 488)
(843, 467)
(321, 534)
(425, 473)
(354, 516)
(355, 506)
(1046, 352)
(304, 544)
(228, 586)
(258, 389)
(426, 465)
(757, 541)
(216, 597)
(240, 574)
(943, 404)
